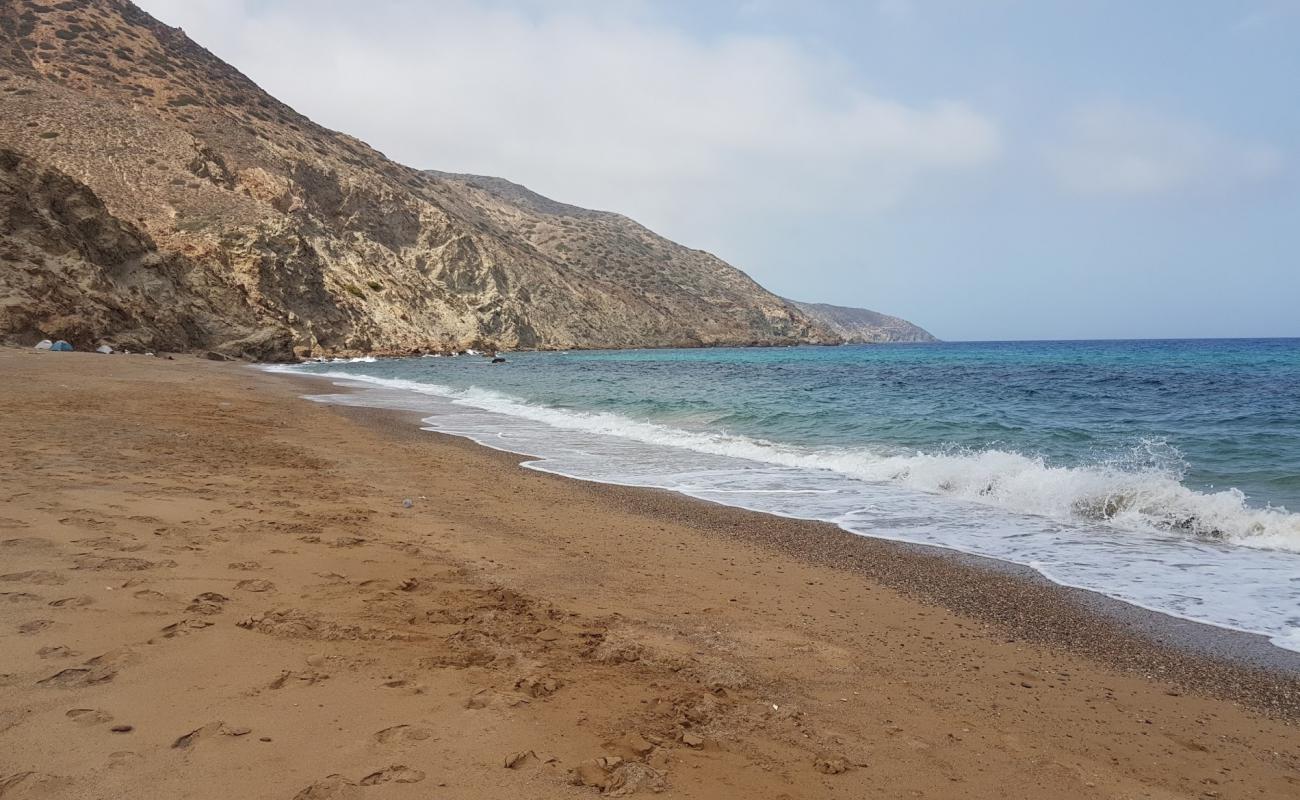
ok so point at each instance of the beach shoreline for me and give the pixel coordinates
(806, 539)
(278, 583)
(1083, 621)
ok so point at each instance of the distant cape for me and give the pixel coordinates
(863, 325)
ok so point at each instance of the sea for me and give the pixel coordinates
(1165, 474)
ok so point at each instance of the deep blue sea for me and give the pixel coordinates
(1163, 473)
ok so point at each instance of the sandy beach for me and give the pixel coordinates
(210, 587)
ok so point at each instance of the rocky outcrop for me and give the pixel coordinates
(861, 325)
(154, 196)
(71, 270)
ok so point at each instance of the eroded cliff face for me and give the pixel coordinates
(71, 270)
(154, 196)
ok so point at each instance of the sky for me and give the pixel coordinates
(989, 169)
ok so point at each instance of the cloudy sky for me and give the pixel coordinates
(991, 169)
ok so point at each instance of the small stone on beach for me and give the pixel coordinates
(517, 759)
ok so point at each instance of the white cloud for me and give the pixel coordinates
(601, 106)
(1115, 149)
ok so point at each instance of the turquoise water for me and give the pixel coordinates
(1159, 472)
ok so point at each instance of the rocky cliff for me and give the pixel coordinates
(154, 196)
(862, 325)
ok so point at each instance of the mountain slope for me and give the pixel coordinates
(205, 214)
(862, 325)
(609, 242)
(301, 238)
(661, 276)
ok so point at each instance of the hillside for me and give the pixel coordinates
(154, 196)
(861, 325)
(597, 240)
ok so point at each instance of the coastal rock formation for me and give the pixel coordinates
(861, 325)
(152, 195)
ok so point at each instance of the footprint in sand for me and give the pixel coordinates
(110, 543)
(184, 628)
(100, 669)
(85, 521)
(57, 651)
(395, 774)
(35, 626)
(89, 716)
(208, 603)
(255, 585)
(348, 541)
(72, 602)
(402, 733)
(308, 677)
(77, 677)
(39, 577)
(122, 758)
(34, 785)
(208, 731)
(118, 564)
(19, 597)
(149, 594)
(333, 787)
(187, 741)
(538, 685)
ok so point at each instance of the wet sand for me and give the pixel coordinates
(191, 551)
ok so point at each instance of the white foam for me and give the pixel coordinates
(357, 360)
(1148, 498)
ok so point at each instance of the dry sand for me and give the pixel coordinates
(210, 588)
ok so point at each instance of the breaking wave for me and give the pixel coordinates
(357, 360)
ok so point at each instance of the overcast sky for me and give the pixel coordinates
(990, 169)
